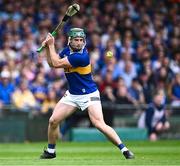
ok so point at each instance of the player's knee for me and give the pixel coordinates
(53, 122)
(99, 124)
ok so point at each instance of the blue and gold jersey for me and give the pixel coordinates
(79, 76)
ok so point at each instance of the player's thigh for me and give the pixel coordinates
(62, 111)
(95, 113)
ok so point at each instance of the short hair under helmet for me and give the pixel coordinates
(76, 32)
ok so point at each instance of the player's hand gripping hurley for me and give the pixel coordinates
(72, 10)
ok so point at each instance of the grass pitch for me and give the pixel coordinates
(92, 153)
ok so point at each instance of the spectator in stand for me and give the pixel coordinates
(106, 88)
(95, 52)
(128, 73)
(126, 58)
(49, 103)
(147, 86)
(38, 88)
(28, 70)
(13, 68)
(122, 96)
(175, 97)
(163, 77)
(23, 98)
(6, 88)
(111, 65)
(59, 87)
(136, 92)
(7, 52)
(128, 46)
(108, 97)
(158, 60)
(107, 81)
(120, 82)
(175, 63)
(114, 47)
(108, 94)
(154, 118)
(144, 61)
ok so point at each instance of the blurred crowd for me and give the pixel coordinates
(144, 36)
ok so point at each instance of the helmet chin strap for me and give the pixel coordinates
(69, 38)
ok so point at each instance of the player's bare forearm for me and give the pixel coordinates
(49, 61)
(56, 61)
(54, 58)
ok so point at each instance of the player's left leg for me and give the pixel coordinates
(96, 117)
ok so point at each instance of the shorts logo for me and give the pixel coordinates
(94, 98)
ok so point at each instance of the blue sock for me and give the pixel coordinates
(122, 147)
(51, 146)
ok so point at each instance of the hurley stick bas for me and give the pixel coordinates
(72, 10)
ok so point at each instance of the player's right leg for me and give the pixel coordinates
(96, 117)
(60, 112)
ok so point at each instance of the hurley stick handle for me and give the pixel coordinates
(39, 50)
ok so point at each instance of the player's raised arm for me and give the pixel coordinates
(53, 58)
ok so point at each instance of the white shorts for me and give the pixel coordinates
(81, 101)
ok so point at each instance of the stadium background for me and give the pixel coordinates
(144, 37)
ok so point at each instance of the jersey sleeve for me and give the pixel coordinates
(78, 60)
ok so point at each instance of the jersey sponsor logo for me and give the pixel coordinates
(80, 70)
